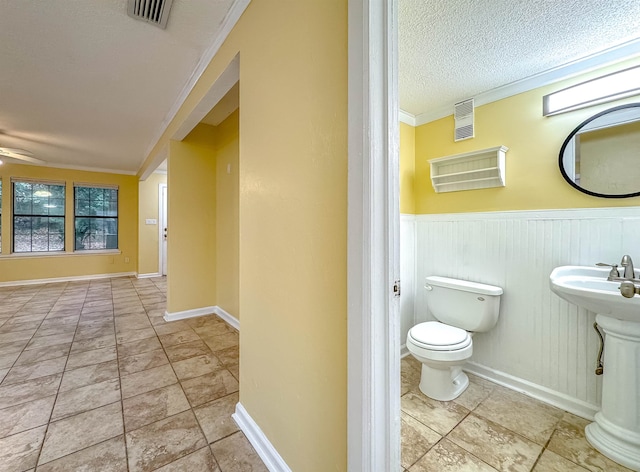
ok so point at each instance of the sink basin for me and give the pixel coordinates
(589, 288)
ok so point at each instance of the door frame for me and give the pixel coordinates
(373, 398)
(161, 224)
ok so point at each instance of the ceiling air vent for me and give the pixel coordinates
(463, 115)
(155, 12)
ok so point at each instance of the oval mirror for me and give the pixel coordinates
(601, 157)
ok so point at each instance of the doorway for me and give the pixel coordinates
(162, 227)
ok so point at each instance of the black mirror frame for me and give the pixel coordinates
(570, 137)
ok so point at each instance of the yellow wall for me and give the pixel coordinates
(407, 168)
(191, 241)
(227, 214)
(27, 267)
(533, 179)
(148, 191)
(293, 223)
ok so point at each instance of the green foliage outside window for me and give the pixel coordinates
(38, 217)
(96, 218)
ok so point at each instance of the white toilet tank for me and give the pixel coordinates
(467, 305)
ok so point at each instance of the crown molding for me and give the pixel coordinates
(407, 118)
(605, 58)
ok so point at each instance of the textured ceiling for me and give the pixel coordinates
(84, 85)
(453, 50)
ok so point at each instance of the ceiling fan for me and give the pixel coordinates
(19, 154)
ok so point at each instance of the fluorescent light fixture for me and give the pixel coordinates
(601, 90)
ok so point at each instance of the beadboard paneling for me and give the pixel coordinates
(407, 275)
(539, 338)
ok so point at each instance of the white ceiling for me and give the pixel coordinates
(454, 50)
(82, 85)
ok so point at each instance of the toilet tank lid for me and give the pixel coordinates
(464, 285)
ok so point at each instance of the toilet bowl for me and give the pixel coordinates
(444, 346)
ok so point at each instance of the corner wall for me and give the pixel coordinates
(191, 240)
(293, 223)
(227, 213)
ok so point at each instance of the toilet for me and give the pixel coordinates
(461, 308)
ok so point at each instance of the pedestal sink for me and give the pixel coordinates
(616, 430)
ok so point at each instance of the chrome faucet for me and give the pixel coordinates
(627, 263)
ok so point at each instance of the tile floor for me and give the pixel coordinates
(93, 379)
(491, 428)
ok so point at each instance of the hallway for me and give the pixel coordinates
(93, 378)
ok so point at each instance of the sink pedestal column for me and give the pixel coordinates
(616, 430)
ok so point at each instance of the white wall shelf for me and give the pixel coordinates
(469, 171)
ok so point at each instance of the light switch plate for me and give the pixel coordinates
(151, 221)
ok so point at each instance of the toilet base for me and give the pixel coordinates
(443, 384)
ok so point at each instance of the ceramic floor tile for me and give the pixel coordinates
(20, 451)
(551, 462)
(229, 356)
(521, 414)
(86, 398)
(22, 373)
(569, 441)
(223, 341)
(409, 374)
(202, 461)
(447, 457)
(172, 327)
(142, 361)
(442, 417)
(152, 406)
(164, 441)
(16, 394)
(17, 336)
(215, 417)
(93, 343)
(209, 387)
(89, 375)
(130, 335)
(477, 391)
(180, 352)
(214, 329)
(43, 353)
(235, 454)
(107, 456)
(137, 347)
(196, 366)
(495, 445)
(12, 348)
(24, 416)
(147, 380)
(50, 340)
(81, 431)
(95, 356)
(416, 440)
(179, 338)
(8, 360)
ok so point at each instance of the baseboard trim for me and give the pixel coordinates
(148, 276)
(183, 315)
(229, 318)
(206, 310)
(404, 352)
(544, 394)
(73, 278)
(269, 455)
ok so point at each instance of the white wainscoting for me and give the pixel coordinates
(540, 340)
(407, 277)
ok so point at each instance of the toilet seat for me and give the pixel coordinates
(436, 336)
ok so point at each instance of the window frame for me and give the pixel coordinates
(63, 184)
(116, 188)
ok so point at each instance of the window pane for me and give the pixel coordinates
(96, 222)
(57, 191)
(56, 206)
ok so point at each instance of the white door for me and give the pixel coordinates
(163, 229)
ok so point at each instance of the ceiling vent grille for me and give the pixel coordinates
(463, 115)
(155, 12)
